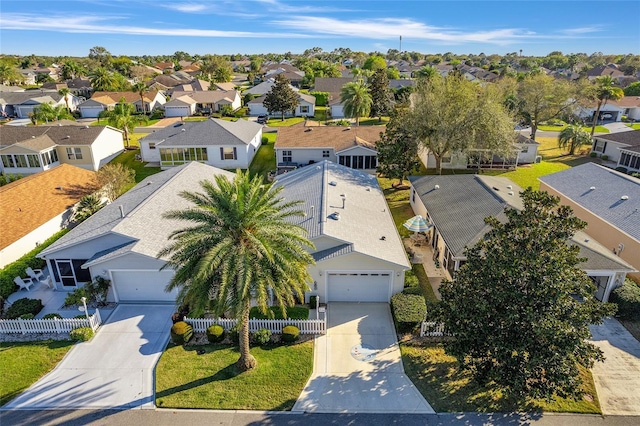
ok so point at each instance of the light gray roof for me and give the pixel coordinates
(61, 135)
(264, 88)
(207, 96)
(630, 138)
(605, 200)
(363, 222)
(206, 133)
(598, 256)
(301, 97)
(16, 98)
(142, 230)
(332, 252)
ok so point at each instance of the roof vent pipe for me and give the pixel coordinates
(344, 198)
(312, 210)
(121, 211)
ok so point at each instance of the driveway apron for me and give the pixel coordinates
(617, 379)
(358, 367)
(113, 370)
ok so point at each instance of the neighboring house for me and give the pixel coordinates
(622, 147)
(219, 143)
(333, 86)
(630, 107)
(401, 83)
(80, 87)
(225, 86)
(32, 149)
(525, 151)
(20, 104)
(353, 147)
(293, 74)
(263, 88)
(36, 207)
(358, 253)
(102, 101)
(609, 201)
(306, 107)
(611, 111)
(164, 66)
(122, 240)
(457, 207)
(192, 86)
(183, 104)
(600, 71)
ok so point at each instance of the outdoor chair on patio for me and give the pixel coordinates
(25, 283)
(36, 275)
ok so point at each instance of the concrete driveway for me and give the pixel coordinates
(617, 379)
(358, 367)
(113, 370)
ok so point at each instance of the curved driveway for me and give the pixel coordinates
(113, 370)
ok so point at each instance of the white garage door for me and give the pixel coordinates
(359, 287)
(142, 286)
(176, 111)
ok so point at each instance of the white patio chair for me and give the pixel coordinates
(25, 283)
(36, 274)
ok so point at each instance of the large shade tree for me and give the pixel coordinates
(604, 91)
(455, 116)
(381, 96)
(239, 244)
(397, 148)
(281, 98)
(520, 307)
(356, 99)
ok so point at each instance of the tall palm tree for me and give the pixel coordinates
(140, 88)
(48, 113)
(240, 245)
(427, 72)
(356, 99)
(65, 92)
(604, 91)
(103, 80)
(573, 136)
(122, 117)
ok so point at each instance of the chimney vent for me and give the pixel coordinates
(121, 211)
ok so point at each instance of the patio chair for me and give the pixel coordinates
(36, 275)
(25, 283)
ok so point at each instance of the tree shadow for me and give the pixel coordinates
(229, 372)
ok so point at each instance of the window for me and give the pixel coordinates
(370, 162)
(21, 161)
(34, 160)
(74, 153)
(7, 161)
(524, 150)
(152, 145)
(599, 146)
(325, 153)
(287, 156)
(228, 153)
(304, 109)
(177, 156)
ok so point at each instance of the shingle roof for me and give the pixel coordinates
(206, 133)
(333, 252)
(330, 84)
(338, 138)
(32, 201)
(109, 98)
(605, 200)
(207, 96)
(301, 97)
(264, 88)
(630, 138)
(598, 256)
(15, 98)
(143, 206)
(61, 135)
(363, 222)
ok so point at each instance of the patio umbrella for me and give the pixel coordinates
(417, 224)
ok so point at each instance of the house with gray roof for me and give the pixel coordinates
(333, 86)
(122, 240)
(358, 253)
(457, 206)
(264, 88)
(621, 147)
(225, 144)
(20, 103)
(609, 201)
(306, 107)
(31, 149)
(183, 104)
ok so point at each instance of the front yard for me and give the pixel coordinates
(265, 158)
(25, 363)
(185, 379)
(449, 389)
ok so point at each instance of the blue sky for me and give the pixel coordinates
(133, 27)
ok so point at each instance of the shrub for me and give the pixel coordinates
(275, 312)
(181, 333)
(80, 316)
(24, 306)
(635, 174)
(322, 98)
(262, 337)
(215, 333)
(52, 315)
(157, 114)
(27, 316)
(410, 279)
(604, 157)
(627, 297)
(313, 301)
(409, 310)
(81, 334)
(290, 333)
(234, 334)
(12, 270)
(621, 169)
(593, 154)
(75, 297)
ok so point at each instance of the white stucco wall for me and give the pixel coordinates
(337, 111)
(108, 144)
(611, 150)
(91, 111)
(304, 155)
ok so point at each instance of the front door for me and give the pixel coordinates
(65, 271)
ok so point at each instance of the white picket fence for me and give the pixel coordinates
(432, 329)
(318, 326)
(53, 325)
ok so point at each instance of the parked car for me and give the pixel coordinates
(263, 119)
(607, 116)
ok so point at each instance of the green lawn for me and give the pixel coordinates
(427, 290)
(320, 114)
(196, 118)
(128, 159)
(374, 121)
(635, 126)
(398, 201)
(277, 121)
(24, 363)
(448, 388)
(185, 379)
(265, 158)
(599, 129)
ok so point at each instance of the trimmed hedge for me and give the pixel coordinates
(17, 268)
(290, 333)
(312, 302)
(322, 98)
(181, 333)
(215, 333)
(81, 334)
(275, 312)
(627, 297)
(409, 310)
(24, 306)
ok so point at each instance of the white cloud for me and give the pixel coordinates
(583, 30)
(186, 7)
(277, 6)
